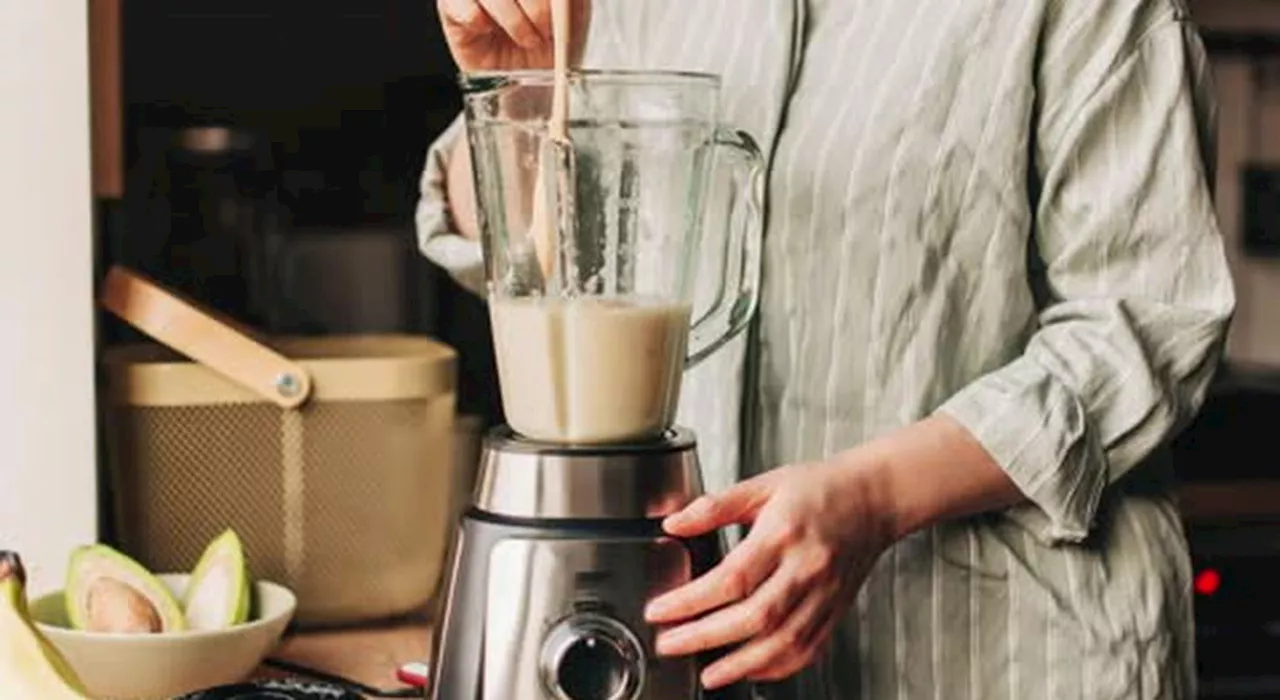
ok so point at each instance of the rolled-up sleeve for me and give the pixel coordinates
(460, 257)
(1135, 295)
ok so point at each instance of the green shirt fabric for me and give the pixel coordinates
(996, 209)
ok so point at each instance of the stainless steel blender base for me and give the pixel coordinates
(551, 569)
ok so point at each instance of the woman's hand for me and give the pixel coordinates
(507, 34)
(816, 532)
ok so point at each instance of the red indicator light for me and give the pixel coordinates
(1207, 582)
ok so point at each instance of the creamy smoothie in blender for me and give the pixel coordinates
(598, 246)
(589, 369)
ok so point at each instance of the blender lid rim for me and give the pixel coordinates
(488, 79)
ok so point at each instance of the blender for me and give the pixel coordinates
(562, 544)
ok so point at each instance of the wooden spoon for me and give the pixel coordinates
(543, 230)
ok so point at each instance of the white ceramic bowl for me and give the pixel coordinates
(167, 665)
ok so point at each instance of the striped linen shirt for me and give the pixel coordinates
(996, 209)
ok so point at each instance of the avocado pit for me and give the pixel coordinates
(114, 607)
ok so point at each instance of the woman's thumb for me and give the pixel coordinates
(739, 504)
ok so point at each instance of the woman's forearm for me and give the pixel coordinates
(461, 190)
(935, 470)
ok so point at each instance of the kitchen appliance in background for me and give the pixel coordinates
(349, 279)
(1237, 610)
(333, 457)
(1227, 468)
(204, 217)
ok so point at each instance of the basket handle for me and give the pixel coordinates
(205, 338)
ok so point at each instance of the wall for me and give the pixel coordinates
(1255, 335)
(47, 442)
(1246, 16)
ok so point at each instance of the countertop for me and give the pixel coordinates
(368, 655)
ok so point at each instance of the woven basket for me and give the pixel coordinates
(332, 457)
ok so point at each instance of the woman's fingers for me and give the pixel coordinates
(784, 651)
(509, 15)
(466, 15)
(539, 14)
(736, 577)
(799, 658)
(768, 608)
(743, 568)
(739, 504)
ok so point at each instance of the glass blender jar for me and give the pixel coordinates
(597, 247)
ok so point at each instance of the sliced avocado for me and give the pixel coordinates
(107, 591)
(218, 594)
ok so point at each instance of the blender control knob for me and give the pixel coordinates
(592, 657)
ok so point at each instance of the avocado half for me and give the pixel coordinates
(107, 591)
(217, 595)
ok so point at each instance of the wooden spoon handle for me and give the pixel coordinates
(205, 337)
(560, 29)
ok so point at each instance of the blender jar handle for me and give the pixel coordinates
(739, 291)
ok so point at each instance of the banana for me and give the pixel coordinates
(30, 667)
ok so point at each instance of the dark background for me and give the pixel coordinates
(335, 103)
(341, 88)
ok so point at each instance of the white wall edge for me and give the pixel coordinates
(48, 454)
